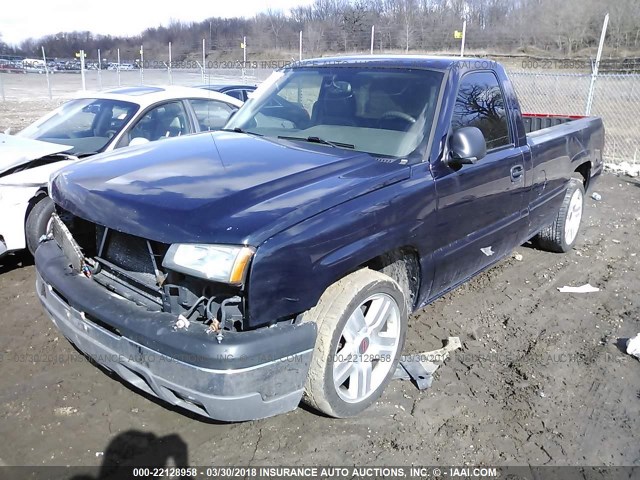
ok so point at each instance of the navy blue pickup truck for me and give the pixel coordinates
(239, 272)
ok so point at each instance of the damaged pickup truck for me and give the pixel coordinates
(235, 273)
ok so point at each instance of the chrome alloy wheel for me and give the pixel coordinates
(574, 216)
(367, 347)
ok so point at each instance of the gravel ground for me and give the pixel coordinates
(542, 378)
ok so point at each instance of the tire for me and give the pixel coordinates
(37, 222)
(370, 353)
(560, 235)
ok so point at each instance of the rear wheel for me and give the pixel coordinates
(362, 324)
(38, 222)
(561, 234)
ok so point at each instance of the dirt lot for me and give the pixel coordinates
(541, 379)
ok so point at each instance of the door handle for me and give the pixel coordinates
(516, 172)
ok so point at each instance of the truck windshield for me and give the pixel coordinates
(382, 111)
(87, 124)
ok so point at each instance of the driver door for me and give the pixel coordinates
(479, 205)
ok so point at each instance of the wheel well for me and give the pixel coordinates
(583, 172)
(40, 194)
(403, 265)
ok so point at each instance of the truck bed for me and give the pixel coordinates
(586, 135)
(538, 121)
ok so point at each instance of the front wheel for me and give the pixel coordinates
(362, 324)
(561, 234)
(38, 222)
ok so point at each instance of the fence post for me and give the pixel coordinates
(141, 64)
(300, 56)
(118, 68)
(244, 55)
(594, 74)
(464, 34)
(373, 34)
(204, 59)
(99, 70)
(169, 66)
(84, 84)
(46, 71)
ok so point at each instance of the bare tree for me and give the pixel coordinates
(555, 27)
(277, 22)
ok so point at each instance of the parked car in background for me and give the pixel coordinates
(278, 107)
(121, 66)
(241, 92)
(11, 66)
(82, 127)
(33, 65)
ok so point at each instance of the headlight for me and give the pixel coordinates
(220, 263)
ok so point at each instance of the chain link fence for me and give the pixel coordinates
(616, 97)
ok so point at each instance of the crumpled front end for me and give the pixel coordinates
(169, 335)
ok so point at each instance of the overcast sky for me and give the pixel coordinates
(36, 18)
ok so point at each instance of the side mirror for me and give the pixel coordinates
(467, 145)
(138, 141)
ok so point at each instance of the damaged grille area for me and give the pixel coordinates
(122, 263)
(131, 267)
(135, 257)
(132, 254)
(132, 263)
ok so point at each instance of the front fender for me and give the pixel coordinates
(292, 269)
(14, 204)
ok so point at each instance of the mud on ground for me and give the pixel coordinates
(541, 378)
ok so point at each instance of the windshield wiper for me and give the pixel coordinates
(319, 140)
(240, 130)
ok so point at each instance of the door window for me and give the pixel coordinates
(164, 121)
(211, 114)
(239, 94)
(480, 104)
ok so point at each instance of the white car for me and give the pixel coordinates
(82, 127)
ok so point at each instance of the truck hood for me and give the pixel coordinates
(16, 151)
(221, 187)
